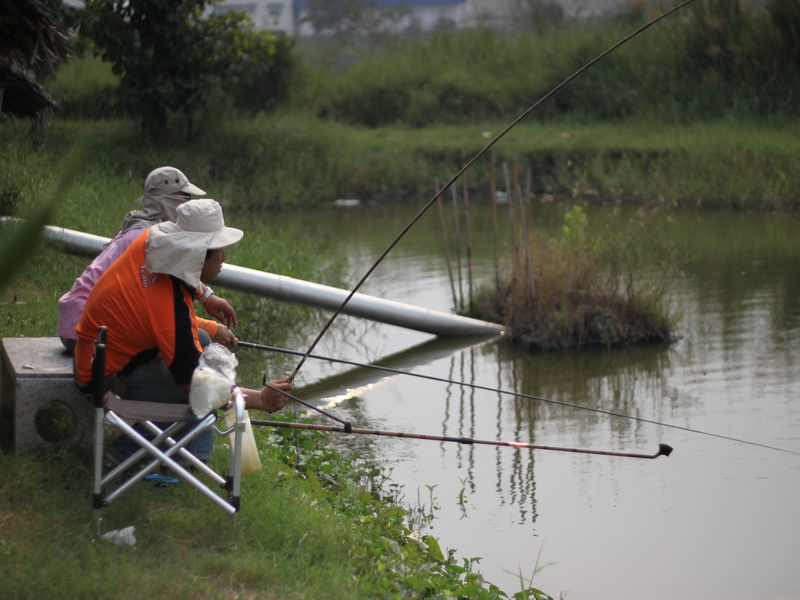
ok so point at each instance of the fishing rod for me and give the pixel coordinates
(469, 163)
(663, 449)
(511, 393)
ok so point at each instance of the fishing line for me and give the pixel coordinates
(483, 151)
(516, 394)
(347, 426)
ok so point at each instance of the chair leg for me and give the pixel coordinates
(166, 460)
(98, 498)
(235, 462)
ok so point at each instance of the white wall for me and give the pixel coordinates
(267, 15)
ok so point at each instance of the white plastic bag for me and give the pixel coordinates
(213, 379)
(122, 537)
(251, 461)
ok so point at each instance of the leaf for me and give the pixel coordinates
(433, 547)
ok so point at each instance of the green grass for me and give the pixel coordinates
(292, 160)
(312, 525)
(182, 546)
(85, 87)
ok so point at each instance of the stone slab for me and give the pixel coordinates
(40, 407)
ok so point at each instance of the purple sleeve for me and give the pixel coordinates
(70, 305)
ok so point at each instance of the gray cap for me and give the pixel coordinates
(169, 180)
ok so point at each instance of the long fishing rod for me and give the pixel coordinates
(663, 449)
(511, 393)
(469, 163)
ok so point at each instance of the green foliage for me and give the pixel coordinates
(714, 58)
(262, 72)
(573, 231)
(734, 58)
(86, 88)
(312, 525)
(583, 291)
(153, 47)
(391, 559)
(173, 63)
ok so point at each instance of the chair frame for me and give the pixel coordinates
(116, 412)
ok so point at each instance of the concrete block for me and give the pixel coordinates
(40, 407)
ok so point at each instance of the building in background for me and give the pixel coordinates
(405, 15)
(495, 14)
(275, 16)
(290, 16)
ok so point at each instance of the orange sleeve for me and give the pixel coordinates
(207, 325)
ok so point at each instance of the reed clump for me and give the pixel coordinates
(576, 288)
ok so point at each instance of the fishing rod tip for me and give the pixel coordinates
(664, 450)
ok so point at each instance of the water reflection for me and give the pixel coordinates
(350, 382)
(603, 380)
(611, 381)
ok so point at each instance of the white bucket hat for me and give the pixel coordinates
(179, 248)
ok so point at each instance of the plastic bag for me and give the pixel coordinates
(122, 537)
(251, 461)
(213, 379)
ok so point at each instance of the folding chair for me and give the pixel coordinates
(116, 412)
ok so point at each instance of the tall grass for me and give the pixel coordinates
(86, 88)
(698, 110)
(573, 289)
(106, 187)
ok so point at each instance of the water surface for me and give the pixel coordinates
(716, 520)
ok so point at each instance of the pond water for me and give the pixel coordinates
(716, 520)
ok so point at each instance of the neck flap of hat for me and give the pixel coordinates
(152, 209)
(177, 252)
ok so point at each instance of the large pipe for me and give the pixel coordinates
(360, 305)
(296, 291)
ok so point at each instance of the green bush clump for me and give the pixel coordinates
(576, 289)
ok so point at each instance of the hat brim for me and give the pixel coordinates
(226, 237)
(192, 189)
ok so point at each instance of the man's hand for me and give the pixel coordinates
(220, 309)
(272, 400)
(225, 337)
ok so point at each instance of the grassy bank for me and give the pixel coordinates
(325, 527)
(295, 160)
